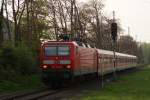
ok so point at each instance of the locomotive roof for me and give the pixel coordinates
(60, 42)
(99, 50)
(117, 53)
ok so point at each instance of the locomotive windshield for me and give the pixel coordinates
(63, 51)
(57, 50)
(50, 51)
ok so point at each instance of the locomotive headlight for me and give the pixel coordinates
(64, 62)
(45, 67)
(68, 66)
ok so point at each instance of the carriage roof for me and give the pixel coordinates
(106, 52)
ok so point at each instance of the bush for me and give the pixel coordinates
(16, 61)
(25, 59)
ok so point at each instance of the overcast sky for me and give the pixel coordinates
(132, 13)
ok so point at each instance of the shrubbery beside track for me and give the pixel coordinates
(15, 61)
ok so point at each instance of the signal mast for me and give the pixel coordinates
(114, 38)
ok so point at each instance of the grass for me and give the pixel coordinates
(135, 86)
(23, 83)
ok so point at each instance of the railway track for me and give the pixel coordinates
(33, 95)
(45, 94)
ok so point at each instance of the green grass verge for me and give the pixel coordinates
(21, 84)
(135, 86)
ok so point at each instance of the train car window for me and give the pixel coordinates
(64, 51)
(50, 51)
(105, 60)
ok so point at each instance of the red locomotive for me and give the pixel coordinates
(62, 61)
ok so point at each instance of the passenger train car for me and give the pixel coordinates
(61, 61)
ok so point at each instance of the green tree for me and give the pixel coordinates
(146, 52)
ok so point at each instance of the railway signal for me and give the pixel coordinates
(114, 31)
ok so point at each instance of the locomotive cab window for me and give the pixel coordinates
(57, 50)
(64, 51)
(50, 51)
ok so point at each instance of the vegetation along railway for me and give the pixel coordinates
(33, 95)
(63, 61)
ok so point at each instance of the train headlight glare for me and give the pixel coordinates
(68, 66)
(45, 66)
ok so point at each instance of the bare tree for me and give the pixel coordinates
(8, 22)
(1, 21)
(18, 8)
(98, 5)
